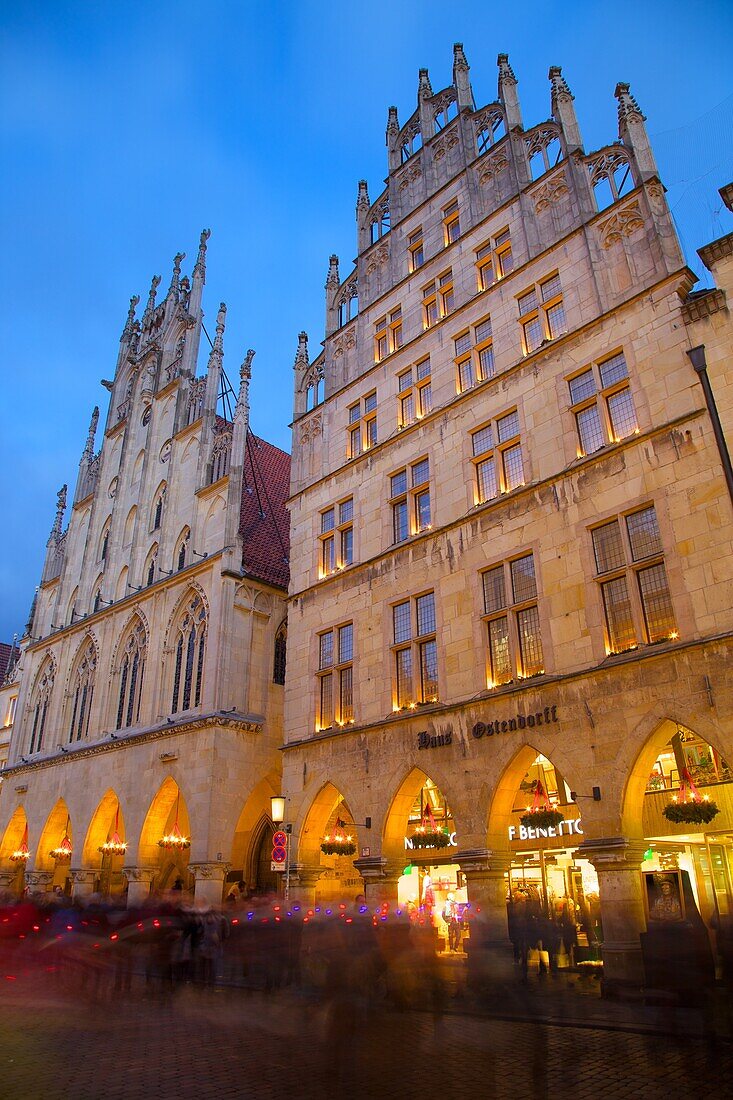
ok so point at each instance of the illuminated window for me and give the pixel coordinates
(362, 430)
(415, 250)
(474, 355)
(514, 643)
(451, 223)
(415, 394)
(409, 498)
(497, 457)
(438, 300)
(335, 678)
(336, 542)
(414, 651)
(494, 260)
(633, 581)
(602, 404)
(541, 314)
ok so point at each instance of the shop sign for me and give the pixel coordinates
(567, 827)
(522, 721)
(435, 740)
(452, 843)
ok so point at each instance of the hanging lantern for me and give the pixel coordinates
(62, 854)
(541, 814)
(174, 839)
(113, 846)
(338, 844)
(689, 807)
(20, 855)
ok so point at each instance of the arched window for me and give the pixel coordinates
(104, 544)
(82, 692)
(39, 707)
(158, 509)
(150, 565)
(189, 648)
(182, 553)
(131, 674)
(97, 600)
(279, 664)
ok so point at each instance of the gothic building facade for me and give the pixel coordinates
(511, 516)
(147, 697)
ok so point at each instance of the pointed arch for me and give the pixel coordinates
(137, 469)
(101, 826)
(181, 553)
(103, 546)
(156, 512)
(96, 602)
(280, 656)
(57, 825)
(121, 586)
(327, 805)
(40, 703)
(151, 562)
(502, 812)
(129, 531)
(214, 522)
(80, 693)
(187, 641)
(71, 606)
(159, 821)
(13, 835)
(129, 673)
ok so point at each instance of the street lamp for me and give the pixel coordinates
(277, 812)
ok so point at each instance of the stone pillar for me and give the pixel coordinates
(489, 947)
(139, 882)
(8, 881)
(380, 877)
(210, 876)
(303, 884)
(38, 882)
(83, 882)
(617, 861)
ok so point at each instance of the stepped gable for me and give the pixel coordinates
(265, 490)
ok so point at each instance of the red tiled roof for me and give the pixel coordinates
(5, 651)
(264, 520)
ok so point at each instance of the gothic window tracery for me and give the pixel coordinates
(379, 224)
(104, 541)
(446, 111)
(220, 455)
(280, 656)
(189, 649)
(39, 707)
(544, 151)
(82, 692)
(410, 140)
(610, 178)
(348, 305)
(131, 674)
(182, 551)
(158, 509)
(314, 390)
(490, 128)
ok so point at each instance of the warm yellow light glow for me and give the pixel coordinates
(673, 635)
(277, 808)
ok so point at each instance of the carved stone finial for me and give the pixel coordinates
(506, 72)
(362, 201)
(459, 57)
(130, 322)
(393, 126)
(333, 279)
(245, 375)
(60, 509)
(424, 87)
(88, 454)
(200, 269)
(559, 88)
(628, 108)
(301, 355)
(216, 355)
(155, 283)
(176, 277)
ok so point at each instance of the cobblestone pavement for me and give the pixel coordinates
(56, 1043)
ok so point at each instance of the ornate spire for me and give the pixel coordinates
(301, 355)
(60, 509)
(130, 322)
(362, 200)
(628, 109)
(459, 57)
(155, 283)
(88, 453)
(332, 279)
(175, 280)
(216, 354)
(559, 89)
(424, 87)
(245, 376)
(461, 81)
(199, 271)
(393, 125)
(506, 72)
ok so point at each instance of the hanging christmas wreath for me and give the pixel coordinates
(689, 807)
(427, 836)
(544, 817)
(338, 845)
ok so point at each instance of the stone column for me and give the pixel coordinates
(380, 877)
(210, 876)
(7, 881)
(490, 955)
(82, 879)
(38, 882)
(139, 882)
(303, 884)
(617, 861)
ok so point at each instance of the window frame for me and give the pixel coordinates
(415, 250)
(492, 258)
(539, 312)
(331, 540)
(410, 500)
(510, 611)
(496, 453)
(338, 672)
(451, 217)
(470, 357)
(418, 390)
(438, 299)
(361, 431)
(600, 399)
(421, 650)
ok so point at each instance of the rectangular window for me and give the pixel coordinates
(335, 680)
(362, 430)
(437, 299)
(336, 537)
(415, 398)
(541, 314)
(497, 457)
(602, 405)
(511, 614)
(415, 250)
(634, 607)
(380, 339)
(494, 260)
(474, 355)
(451, 223)
(415, 653)
(409, 492)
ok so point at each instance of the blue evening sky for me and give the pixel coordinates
(127, 128)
